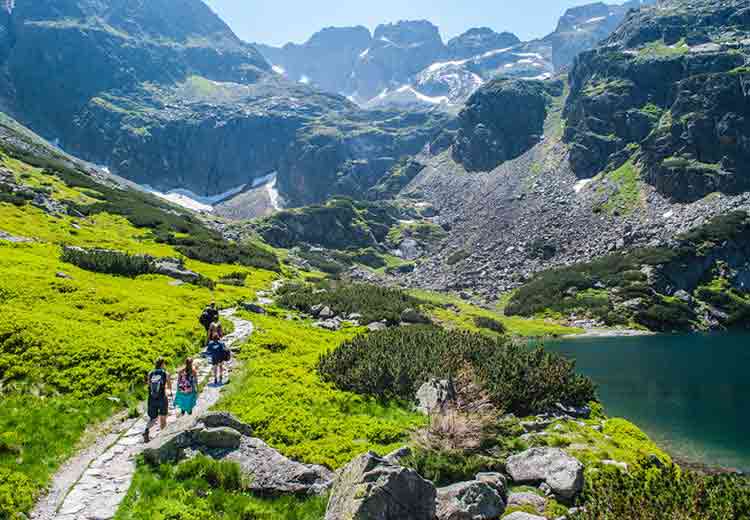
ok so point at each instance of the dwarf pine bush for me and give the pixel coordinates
(649, 493)
(107, 262)
(395, 362)
(374, 303)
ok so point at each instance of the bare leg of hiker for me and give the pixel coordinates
(147, 431)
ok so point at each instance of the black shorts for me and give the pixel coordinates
(157, 407)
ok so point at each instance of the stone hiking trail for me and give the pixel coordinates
(92, 484)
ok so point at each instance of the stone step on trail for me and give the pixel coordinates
(93, 483)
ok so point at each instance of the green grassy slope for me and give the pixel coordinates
(74, 345)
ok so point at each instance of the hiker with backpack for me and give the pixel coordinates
(215, 330)
(159, 386)
(218, 353)
(187, 388)
(209, 315)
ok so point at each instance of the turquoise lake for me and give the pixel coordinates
(690, 393)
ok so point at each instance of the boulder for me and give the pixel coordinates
(579, 412)
(253, 307)
(527, 499)
(170, 446)
(397, 456)
(496, 480)
(371, 488)
(315, 309)
(222, 438)
(270, 473)
(377, 326)
(409, 249)
(62, 275)
(174, 269)
(561, 472)
(414, 317)
(520, 515)
(433, 395)
(326, 313)
(330, 324)
(224, 419)
(7, 237)
(472, 500)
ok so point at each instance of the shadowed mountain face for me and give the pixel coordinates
(668, 90)
(168, 96)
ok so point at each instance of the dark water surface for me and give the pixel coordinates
(690, 393)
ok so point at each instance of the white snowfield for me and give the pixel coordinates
(188, 199)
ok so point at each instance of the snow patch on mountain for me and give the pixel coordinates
(188, 199)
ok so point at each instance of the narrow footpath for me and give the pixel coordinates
(92, 484)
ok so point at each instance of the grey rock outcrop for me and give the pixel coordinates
(271, 473)
(396, 457)
(253, 307)
(221, 438)
(496, 480)
(174, 268)
(433, 395)
(472, 500)
(225, 420)
(527, 499)
(370, 488)
(520, 515)
(561, 472)
(502, 120)
(377, 326)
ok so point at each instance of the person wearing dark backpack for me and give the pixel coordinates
(187, 388)
(209, 315)
(159, 386)
(218, 353)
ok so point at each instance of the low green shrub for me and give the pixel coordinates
(219, 474)
(204, 488)
(447, 467)
(373, 302)
(15, 198)
(649, 493)
(218, 251)
(483, 322)
(107, 262)
(17, 492)
(395, 362)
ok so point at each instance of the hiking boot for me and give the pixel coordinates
(146, 437)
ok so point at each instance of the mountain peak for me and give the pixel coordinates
(409, 32)
(480, 40)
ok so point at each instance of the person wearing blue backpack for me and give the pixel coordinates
(159, 385)
(218, 353)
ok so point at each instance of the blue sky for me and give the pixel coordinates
(279, 21)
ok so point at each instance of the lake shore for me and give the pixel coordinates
(609, 333)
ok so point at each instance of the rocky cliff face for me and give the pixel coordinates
(669, 90)
(326, 59)
(398, 51)
(478, 41)
(502, 120)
